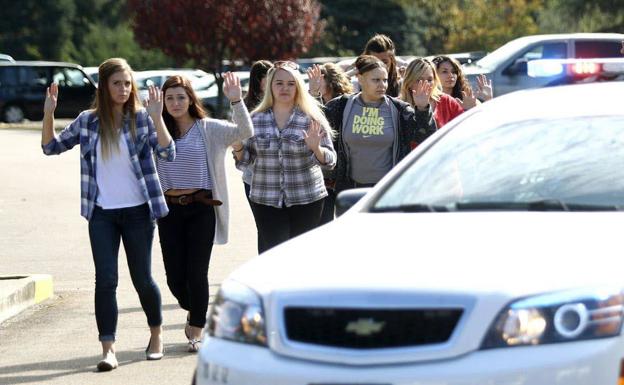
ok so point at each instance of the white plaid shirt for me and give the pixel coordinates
(285, 172)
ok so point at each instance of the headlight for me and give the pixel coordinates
(237, 315)
(558, 317)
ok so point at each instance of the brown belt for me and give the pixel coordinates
(200, 196)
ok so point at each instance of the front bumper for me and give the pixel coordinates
(594, 362)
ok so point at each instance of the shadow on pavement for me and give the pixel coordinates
(16, 374)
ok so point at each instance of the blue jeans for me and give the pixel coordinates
(134, 226)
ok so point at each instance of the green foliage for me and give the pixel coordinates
(36, 30)
(102, 42)
(559, 16)
(473, 25)
(351, 23)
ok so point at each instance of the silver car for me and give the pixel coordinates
(507, 65)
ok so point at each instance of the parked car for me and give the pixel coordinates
(463, 57)
(93, 72)
(23, 89)
(4, 57)
(157, 78)
(490, 255)
(507, 65)
(207, 91)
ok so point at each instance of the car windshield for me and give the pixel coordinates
(562, 164)
(504, 52)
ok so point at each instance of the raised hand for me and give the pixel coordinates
(484, 88)
(314, 76)
(51, 99)
(232, 87)
(422, 93)
(469, 99)
(154, 103)
(313, 136)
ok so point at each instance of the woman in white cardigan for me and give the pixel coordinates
(196, 193)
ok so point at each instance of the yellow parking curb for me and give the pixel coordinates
(44, 289)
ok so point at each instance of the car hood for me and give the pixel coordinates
(474, 69)
(508, 254)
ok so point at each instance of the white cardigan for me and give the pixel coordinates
(218, 135)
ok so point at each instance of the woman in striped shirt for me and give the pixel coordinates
(292, 141)
(196, 193)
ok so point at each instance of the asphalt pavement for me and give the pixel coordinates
(42, 232)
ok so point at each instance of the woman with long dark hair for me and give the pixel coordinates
(257, 86)
(196, 193)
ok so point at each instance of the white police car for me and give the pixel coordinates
(491, 255)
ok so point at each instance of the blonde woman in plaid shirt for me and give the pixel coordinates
(292, 141)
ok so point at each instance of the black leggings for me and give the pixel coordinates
(277, 225)
(260, 240)
(186, 239)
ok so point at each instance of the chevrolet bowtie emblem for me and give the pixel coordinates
(364, 327)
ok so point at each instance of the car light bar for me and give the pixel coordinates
(575, 67)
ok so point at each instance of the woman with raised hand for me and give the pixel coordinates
(382, 47)
(120, 192)
(257, 86)
(196, 193)
(326, 82)
(444, 106)
(375, 131)
(292, 141)
(454, 83)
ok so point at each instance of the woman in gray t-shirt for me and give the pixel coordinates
(375, 131)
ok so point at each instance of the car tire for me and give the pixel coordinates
(13, 113)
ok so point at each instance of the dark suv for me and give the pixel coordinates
(23, 89)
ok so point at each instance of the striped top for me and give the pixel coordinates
(190, 168)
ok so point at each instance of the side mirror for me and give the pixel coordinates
(519, 67)
(346, 199)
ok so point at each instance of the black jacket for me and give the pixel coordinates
(414, 128)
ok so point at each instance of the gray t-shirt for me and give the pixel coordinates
(369, 137)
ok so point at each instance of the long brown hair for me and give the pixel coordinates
(336, 80)
(258, 72)
(462, 83)
(380, 44)
(196, 110)
(103, 105)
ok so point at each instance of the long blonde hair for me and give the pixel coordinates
(103, 105)
(303, 100)
(414, 72)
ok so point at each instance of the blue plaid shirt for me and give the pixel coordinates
(84, 130)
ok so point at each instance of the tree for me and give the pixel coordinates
(35, 30)
(474, 25)
(209, 31)
(350, 25)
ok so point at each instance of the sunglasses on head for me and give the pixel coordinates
(286, 64)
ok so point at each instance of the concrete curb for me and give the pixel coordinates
(19, 292)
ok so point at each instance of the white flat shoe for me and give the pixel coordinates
(108, 363)
(153, 356)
